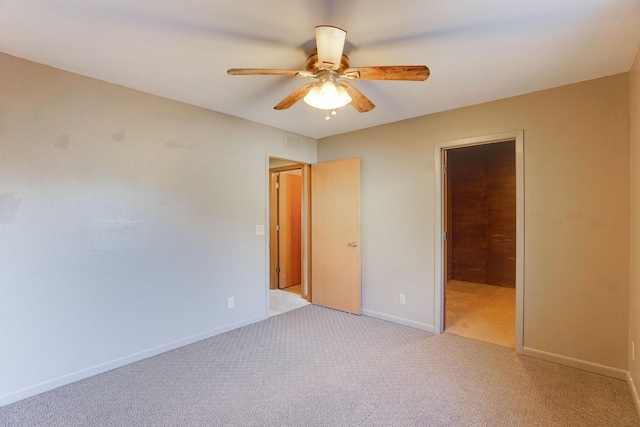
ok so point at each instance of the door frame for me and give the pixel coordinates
(439, 270)
(272, 238)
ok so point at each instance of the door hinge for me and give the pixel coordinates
(278, 227)
(444, 170)
(444, 235)
(277, 270)
(277, 185)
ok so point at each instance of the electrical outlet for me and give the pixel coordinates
(403, 299)
(259, 230)
(231, 302)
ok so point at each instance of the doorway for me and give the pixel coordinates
(287, 241)
(335, 186)
(480, 244)
(287, 237)
(475, 254)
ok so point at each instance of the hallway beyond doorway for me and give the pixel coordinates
(281, 301)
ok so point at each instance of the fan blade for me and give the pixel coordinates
(392, 72)
(268, 72)
(358, 100)
(294, 97)
(330, 44)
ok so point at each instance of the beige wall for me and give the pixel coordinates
(110, 198)
(126, 221)
(576, 178)
(634, 288)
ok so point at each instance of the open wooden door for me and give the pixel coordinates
(289, 233)
(335, 235)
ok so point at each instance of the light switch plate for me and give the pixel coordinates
(259, 230)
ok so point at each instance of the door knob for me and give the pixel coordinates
(353, 244)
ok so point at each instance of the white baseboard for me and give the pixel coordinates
(35, 389)
(634, 392)
(607, 371)
(399, 320)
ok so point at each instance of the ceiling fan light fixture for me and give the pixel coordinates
(326, 95)
(331, 67)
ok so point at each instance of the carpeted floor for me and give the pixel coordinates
(319, 367)
(281, 301)
(482, 312)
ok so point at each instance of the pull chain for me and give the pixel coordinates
(333, 113)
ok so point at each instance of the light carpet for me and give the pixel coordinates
(319, 367)
(283, 301)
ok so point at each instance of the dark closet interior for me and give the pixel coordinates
(482, 214)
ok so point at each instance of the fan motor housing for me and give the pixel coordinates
(313, 65)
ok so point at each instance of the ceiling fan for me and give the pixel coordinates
(330, 66)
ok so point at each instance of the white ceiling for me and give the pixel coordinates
(180, 49)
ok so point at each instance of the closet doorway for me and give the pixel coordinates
(480, 259)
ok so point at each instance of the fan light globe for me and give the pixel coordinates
(327, 96)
